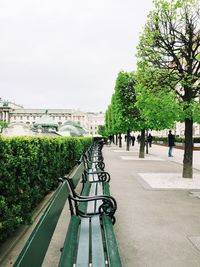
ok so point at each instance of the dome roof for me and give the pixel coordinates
(72, 128)
(45, 121)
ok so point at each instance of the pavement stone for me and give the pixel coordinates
(154, 227)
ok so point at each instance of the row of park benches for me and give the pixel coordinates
(90, 238)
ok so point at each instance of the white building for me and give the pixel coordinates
(178, 130)
(13, 113)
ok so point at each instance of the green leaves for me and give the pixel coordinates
(125, 99)
(166, 87)
(168, 55)
(31, 168)
(159, 109)
(3, 124)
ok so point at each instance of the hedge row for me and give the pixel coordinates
(29, 169)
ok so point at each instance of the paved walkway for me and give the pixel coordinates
(156, 227)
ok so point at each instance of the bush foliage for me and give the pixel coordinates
(29, 169)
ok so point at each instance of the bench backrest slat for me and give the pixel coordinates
(35, 248)
(76, 175)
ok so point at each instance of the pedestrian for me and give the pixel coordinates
(133, 140)
(138, 138)
(129, 139)
(171, 143)
(125, 138)
(120, 140)
(149, 139)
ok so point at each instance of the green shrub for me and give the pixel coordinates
(29, 169)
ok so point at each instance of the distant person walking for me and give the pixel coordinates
(171, 143)
(125, 138)
(149, 139)
(133, 140)
(138, 138)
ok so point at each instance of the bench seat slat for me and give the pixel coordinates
(85, 192)
(106, 189)
(69, 250)
(93, 177)
(99, 193)
(111, 243)
(97, 243)
(92, 204)
(83, 245)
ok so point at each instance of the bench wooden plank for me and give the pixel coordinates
(70, 245)
(111, 243)
(36, 246)
(98, 258)
(92, 204)
(106, 189)
(76, 174)
(99, 193)
(83, 253)
(93, 177)
(85, 192)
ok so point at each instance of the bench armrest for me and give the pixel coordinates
(108, 206)
(102, 175)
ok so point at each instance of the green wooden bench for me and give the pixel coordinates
(90, 239)
(93, 182)
(97, 244)
(93, 157)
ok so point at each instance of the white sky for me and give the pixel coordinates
(67, 53)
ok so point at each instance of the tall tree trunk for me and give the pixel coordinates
(147, 147)
(128, 140)
(146, 143)
(120, 140)
(113, 138)
(188, 151)
(116, 136)
(142, 144)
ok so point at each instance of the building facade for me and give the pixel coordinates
(13, 113)
(178, 130)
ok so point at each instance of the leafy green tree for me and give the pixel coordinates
(3, 124)
(170, 45)
(109, 122)
(115, 128)
(102, 130)
(157, 104)
(126, 111)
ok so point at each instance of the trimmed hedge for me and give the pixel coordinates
(29, 169)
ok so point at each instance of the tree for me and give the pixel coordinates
(3, 124)
(156, 102)
(108, 122)
(115, 127)
(125, 98)
(102, 130)
(170, 45)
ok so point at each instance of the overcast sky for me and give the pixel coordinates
(67, 53)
